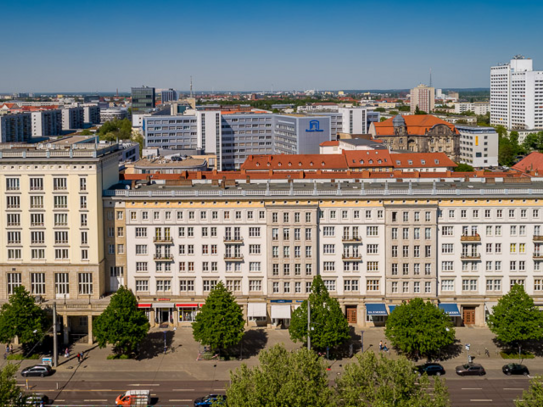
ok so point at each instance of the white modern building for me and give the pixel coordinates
(113, 113)
(516, 95)
(479, 108)
(478, 146)
(15, 127)
(46, 123)
(73, 118)
(91, 114)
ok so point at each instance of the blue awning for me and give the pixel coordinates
(451, 309)
(391, 307)
(376, 309)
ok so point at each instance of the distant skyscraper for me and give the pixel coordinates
(143, 99)
(169, 95)
(516, 95)
(424, 97)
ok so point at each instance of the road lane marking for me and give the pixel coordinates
(178, 400)
(472, 388)
(513, 388)
(96, 400)
(183, 390)
(480, 400)
(153, 384)
(219, 389)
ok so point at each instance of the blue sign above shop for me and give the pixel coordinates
(283, 301)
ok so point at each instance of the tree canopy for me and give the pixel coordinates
(220, 323)
(111, 130)
(533, 397)
(380, 381)
(282, 379)
(21, 317)
(533, 142)
(419, 327)
(515, 319)
(10, 393)
(329, 325)
(122, 324)
(464, 168)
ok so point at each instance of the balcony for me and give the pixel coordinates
(163, 257)
(470, 256)
(538, 238)
(233, 257)
(165, 240)
(470, 238)
(351, 239)
(538, 255)
(351, 257)
(233, 240)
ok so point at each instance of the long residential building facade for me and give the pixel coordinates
(374, 243)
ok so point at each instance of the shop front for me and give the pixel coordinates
(146, 308)
(257, 313)
(281, 313)
(376, 314)
(187, 312)
(163, 312)
(451, 309)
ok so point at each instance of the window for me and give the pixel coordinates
(394, 232)
(447, 285)
(416, 287)
(82, 184)
(394, 269)
(372, 265)
(36, 202)
(427, 287)
(447, 231)
(142, 285)
(538, 284)
(329, 249)
(372, 285)
(416, 251)
(307, 234)
(330, 285)
(406, 216)
(275, 287)
(12, 184)
(493, 285)
(350, 285)
(13, 202)
(405, 269)
(141, 249)
(405, 251)
(163, 285)
(233, 285)
(83, 202)
(405, 233)
(14, 219)
(254, 232)
(447, 266)
(469, 285)
(254, 249)
(62, 283)
(329, 266)
(405, 287)
(84, 238)
(308, 251)
(61, 254)
(394, 251)
(255, 285)
(14, 281)
(308, 269)
(308, 217)
(15, 237)
(517, 281)
(37, 254)
(447, 248)
(85, 283)
(60, 202)
(254, 266)
(394, 287)
(60, 184)
(372, 230)
(329, 231)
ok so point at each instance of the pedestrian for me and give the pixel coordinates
(7, 348)
(380, 346)
(385, 348)
(67, 353)
(79, 357)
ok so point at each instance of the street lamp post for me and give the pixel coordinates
(308, 325)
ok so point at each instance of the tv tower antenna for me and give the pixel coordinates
(430, 77)
(191, 87)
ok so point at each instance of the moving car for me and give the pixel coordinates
(470, 369)
(431, 369)
(37, 370)
(37, 399)
(209, 400)
(134, 398)
(515, 368)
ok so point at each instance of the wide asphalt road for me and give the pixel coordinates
(494, 390)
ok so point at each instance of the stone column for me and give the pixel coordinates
(89, 324)
(175, 317)
(65, 329)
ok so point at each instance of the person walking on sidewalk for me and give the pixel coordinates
(385, 348)
(380, 346)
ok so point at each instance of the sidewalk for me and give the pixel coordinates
(180, 360)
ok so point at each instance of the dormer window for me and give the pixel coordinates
(269, 164)
(290, 164)
(370, 161)
(279, 164)
(322, 163)
(436, 161)
(361, 161)
(379, 161)
(398, 162)
(410, 162)
(423, 162)
(258, 164)
(311, 164)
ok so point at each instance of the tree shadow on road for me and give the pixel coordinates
(534, 347)
(253, 341)
(153, 344)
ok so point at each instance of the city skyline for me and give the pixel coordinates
(235, 47)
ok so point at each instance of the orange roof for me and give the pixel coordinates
(294, 162)
(417, 125)
(9, 105)
(331, 143)
(532, 162)
(421, 160)
(367, 158)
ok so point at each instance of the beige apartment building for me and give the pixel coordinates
(424, 97)
(52, 223)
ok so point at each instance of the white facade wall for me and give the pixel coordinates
(478, 146)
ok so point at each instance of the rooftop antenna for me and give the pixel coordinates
(191, 87)
(430, 77)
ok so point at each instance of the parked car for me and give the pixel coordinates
(431, 369)
(471, 369)
(515, 368)
(37, 370)
(209, 400)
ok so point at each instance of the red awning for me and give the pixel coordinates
(201, 305)
(144, 305)
(186, 305)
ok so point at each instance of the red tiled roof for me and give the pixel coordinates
(532, 162)
(368, 158)
(422, 160)
(294, 162)
(417, 125)
(331, 143)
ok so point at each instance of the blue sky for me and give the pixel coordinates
(233, 45)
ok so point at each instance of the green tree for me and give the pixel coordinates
(506, 152)
(138, 138)
(122, 324)
(86, 132)
(282, 379)
(382, 119)
(418, 111)
(380, 381)
(533, 142)
(21, 317)
(113, 129)
(419, 327)
(463, 168)
(380, 109)
(329, 325)
(220, 323)
(404, 108)
(10, 393)
(533, 397)
(515, 319)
